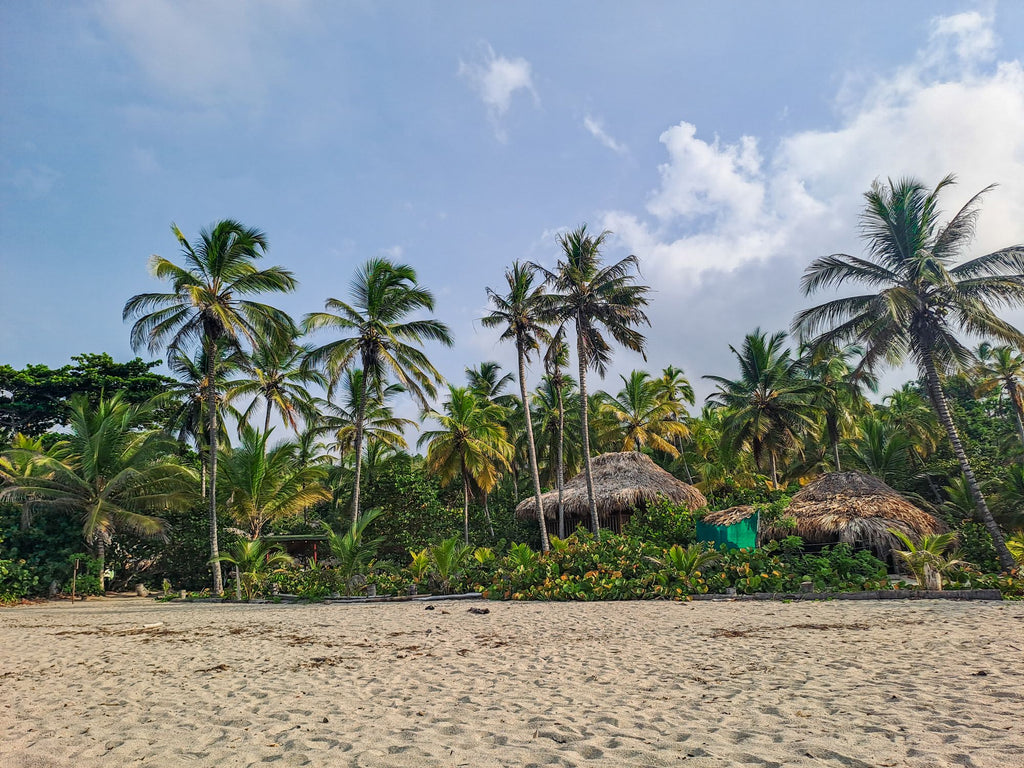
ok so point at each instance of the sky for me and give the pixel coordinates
(726, 145)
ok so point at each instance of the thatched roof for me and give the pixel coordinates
(845, 506)
(622, 481)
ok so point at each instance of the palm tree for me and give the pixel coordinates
(593, 297)
(352, 550)
(1001, 368)
(276, 376)
(908, 413)
(486, 381)
(920, 298)
(188, 399)
(255, 559)
(518, 313)
(471, 445)
(378, 334)
(677, 388)
(556, 358)
(380, 425)
(838, 393)
(206, 306)
(20, 465)
(769, 406)
(268, 484)
(108, 472)
(880, 450)
(642, 415)
(557, 414)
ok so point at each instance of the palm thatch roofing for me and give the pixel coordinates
(622, 482)
(844, 506)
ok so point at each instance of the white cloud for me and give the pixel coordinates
(597, 130)
(496, 79)
(722, 205)
(203, 52)
(731, 226)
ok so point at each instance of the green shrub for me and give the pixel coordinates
(16, 581)
(663, 524)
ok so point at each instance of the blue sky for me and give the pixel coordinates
(725, 144)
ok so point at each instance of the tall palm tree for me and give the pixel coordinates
(1001, 368)
(641, 415)
(267, 484)
(518, 314)
(470, 446)
(880, 450)
(920, 298)
(276, 378)
(677, 388)
(557, 415)
(380, 425)
(379, 336)
(207, 305)
(769, 405)
(595, 297)
(839, 391)
(556, 358)
(109, 472)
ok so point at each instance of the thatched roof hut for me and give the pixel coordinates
(622, 483)
(846, 507)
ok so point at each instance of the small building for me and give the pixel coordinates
(848, 507)
(623, 482)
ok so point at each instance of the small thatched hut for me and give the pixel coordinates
(622, 482)
(846, 507)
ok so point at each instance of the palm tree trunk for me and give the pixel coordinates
(1018, 409)
(595, 522)
(560, 461)
(487, 513)
(465, 503)
(775, 472)
(266, 420)
(211, 407)
(835, 455)
(545, 545)
(101, 555)
(360, 417)
(942, 408)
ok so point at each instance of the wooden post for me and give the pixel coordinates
(74, 581)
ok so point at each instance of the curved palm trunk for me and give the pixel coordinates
(545, 545)
(595, 522)
(942, 407)
(560, 462)
(211, 407)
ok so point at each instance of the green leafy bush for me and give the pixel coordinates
(16, 581)
(664, 524)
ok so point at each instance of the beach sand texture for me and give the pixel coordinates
(867, 684)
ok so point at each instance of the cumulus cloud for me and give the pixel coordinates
(596, 129)
(496, 79)
(732, 225)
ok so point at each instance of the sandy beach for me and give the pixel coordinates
(928, 683)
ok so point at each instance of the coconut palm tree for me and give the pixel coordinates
(21, 464)
(677, 388)
(769, 406)
(267, 484)
(486, 381)
(1000, 368)
(380, 425)
(518, 314)
(378, 334)
(839, 392)
(641, 415)
(880, 450)
(556, 358)
(906, 412)
(276, 378)
(919, 298)
(108, 472)
(595, 297)
(208, 305)
(471, 445)
(256, 560)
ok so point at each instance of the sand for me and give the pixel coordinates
(929, 683)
